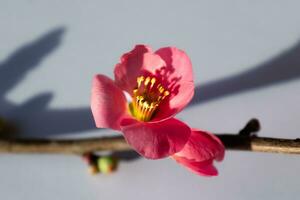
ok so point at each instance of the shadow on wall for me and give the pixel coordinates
(50, 122)
(282, 68)
(34, 116)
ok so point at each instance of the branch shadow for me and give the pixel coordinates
(282, 68)
(34, 118)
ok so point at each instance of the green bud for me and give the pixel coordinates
(107, 164)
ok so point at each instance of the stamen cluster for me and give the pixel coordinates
(146, 97)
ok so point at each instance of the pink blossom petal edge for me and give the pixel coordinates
(199, 152)
(203, 168)
(203, 146)
(156, 140)
(108, 103)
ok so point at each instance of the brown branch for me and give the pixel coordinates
(117, 143)
(242, 141)
(80, 146)
(260, 144)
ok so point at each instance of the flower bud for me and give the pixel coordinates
(107, 164)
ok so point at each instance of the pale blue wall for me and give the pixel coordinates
(246, 58)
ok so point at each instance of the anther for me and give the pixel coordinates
(152, 81)
(147, 81)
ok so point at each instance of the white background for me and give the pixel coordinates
(246, 59)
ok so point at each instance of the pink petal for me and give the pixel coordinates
(175, 103)
(177, 75)
(135, 63)
(108, 103)
(156, 140)
(203, 168)
(202, 146)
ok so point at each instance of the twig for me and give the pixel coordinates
(242, 141)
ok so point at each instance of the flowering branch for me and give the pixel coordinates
(246, 140)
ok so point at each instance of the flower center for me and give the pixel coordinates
(146, 97)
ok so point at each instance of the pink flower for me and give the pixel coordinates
(160, 85)
(199, 153)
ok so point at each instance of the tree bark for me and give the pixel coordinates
(117, 143)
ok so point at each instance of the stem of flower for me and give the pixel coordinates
(239, 141)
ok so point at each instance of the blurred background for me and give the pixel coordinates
(246, 60)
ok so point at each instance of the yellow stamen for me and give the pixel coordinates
(166, 93)
(140, 80)
(152, 81)
(146, 99)
(147, 81)
(161, 89)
